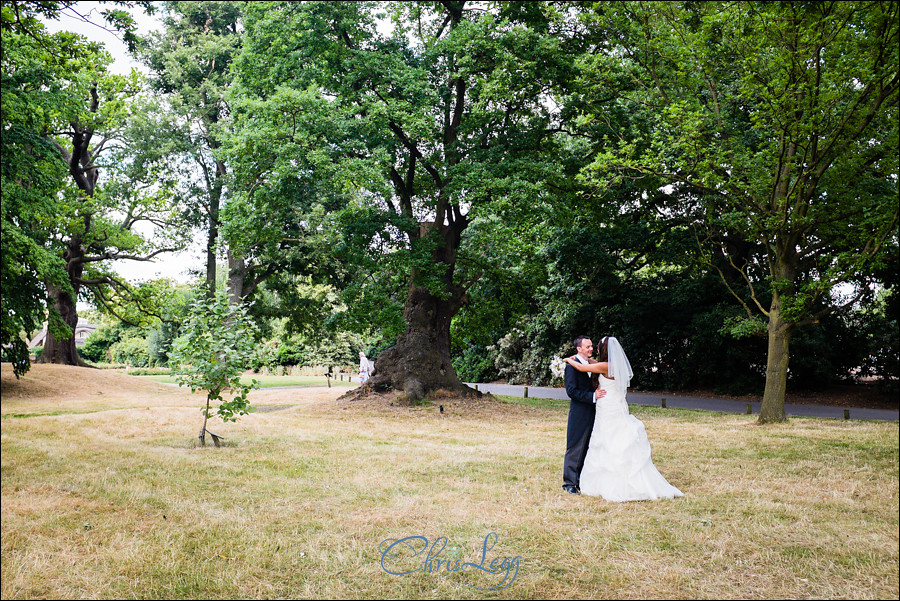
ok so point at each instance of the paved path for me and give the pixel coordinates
(684, 402)
(681, 402)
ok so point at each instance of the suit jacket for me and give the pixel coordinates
(578, 386)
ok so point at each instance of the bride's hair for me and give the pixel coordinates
(601, 357)
(603, 353)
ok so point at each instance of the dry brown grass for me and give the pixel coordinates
(111, 498)
(59, 388)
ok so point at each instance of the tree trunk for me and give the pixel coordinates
(420, 362)
(215, 200)
(63, 352)
(203, 429)
(211, 257)
(237, 277)
(776, 371)
(58, 351)
(85, 175)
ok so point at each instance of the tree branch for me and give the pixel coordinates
(709, 262)
(109, 255)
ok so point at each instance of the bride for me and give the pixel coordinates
(618, 465)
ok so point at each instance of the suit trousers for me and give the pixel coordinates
(578, 437)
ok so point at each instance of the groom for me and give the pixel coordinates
(582, 409)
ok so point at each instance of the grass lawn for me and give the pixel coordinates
(273, 381)
(114, 499)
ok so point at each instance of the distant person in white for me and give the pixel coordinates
(365, 368)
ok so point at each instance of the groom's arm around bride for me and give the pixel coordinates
(578, 386)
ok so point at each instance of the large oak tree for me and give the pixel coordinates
(427, 115)
(68, 109)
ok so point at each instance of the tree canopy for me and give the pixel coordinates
(775, 126)
(460, 188)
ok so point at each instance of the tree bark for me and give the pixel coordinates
(780, 331)
(215, 201)
(63, 351)
(237, 276)
(211, 239)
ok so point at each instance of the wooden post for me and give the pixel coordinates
(526, 393)
(846, 414)
(749, 409)
(203, 429)
(476, 387)
(662, 403)
(216, 438)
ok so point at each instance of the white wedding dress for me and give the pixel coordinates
(618, 465)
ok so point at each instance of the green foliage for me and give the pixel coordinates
(131, 351)
(522, 356)
(65, 121)
(774, 129)
(97, 347)
(743, 122)
(147, 372)
(339, 348)
(157, 347)
(743, 327)
(218, 344)
(625, 276)
(877, 325)
(475, 364)
(669, 314)
(31, 175)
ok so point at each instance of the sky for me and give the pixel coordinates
(83, 19)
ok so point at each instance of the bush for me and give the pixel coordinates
(523, 356)
(339, 349)
(290, 353)
(476, 364)
(148, 372)
(96, 347)
(131, 351)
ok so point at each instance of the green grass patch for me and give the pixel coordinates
(537, 403)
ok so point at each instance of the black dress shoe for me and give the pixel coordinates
(572, 490)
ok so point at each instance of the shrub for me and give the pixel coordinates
(147, 372)
(97, 347)
(131, 351)
(476, 364)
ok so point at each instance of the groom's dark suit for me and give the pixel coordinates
(581, 421)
